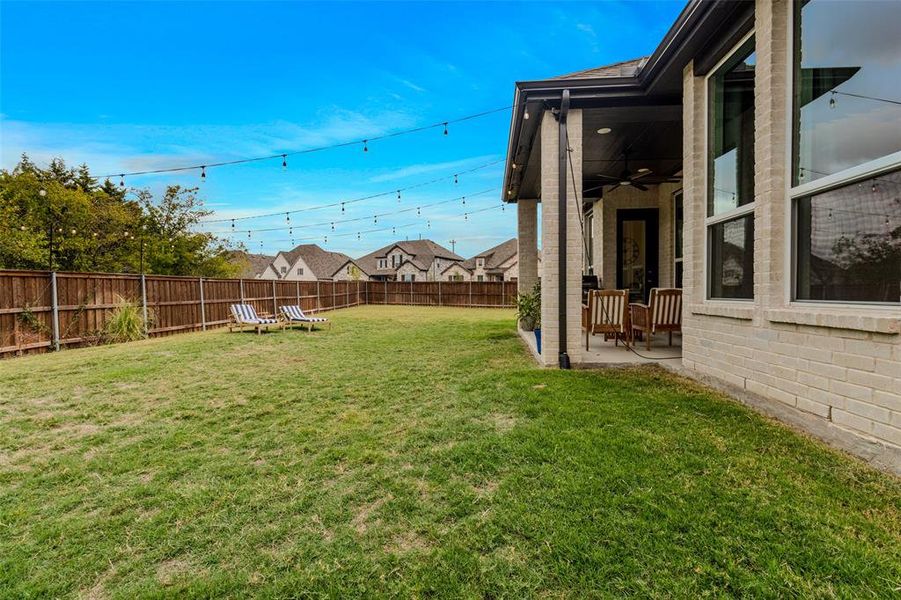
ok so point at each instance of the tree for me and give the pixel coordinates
(102, 227)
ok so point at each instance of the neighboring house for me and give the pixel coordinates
(252, 265)
(309, 262)
(754, 161)
(410, 260)
(495, 264)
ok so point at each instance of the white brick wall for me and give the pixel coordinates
(835, 372)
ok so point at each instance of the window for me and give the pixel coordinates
(480, 262)
(846, 152)
(410, 277)
(678, 223)
(284, 270)
(730, 185)
(300, 271)
(480, 278)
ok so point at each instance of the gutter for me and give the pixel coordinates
(561, 228)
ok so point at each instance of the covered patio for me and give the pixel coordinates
(596, 171)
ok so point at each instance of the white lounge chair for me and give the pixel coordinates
(294, 314)
(245, 314)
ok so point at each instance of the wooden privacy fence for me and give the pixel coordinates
(40, 310)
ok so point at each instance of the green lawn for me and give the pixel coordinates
(413, 452)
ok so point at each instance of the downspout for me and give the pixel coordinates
(563, 144)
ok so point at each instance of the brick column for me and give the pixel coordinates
(771, 227)
(527, 257)
(694, 170)
(550, 248)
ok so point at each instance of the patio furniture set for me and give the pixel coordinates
(609, 312)
(245, 315)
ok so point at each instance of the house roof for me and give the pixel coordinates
(623, 68)
(423, 253)
(251, 264)
(496, 256)
(322, 263)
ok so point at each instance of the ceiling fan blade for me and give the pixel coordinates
(610, 177)
(641, 187)
(640, 175)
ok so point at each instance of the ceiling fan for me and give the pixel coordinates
(626, 176)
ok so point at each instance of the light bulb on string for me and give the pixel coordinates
(122, 181)
(325, 239)
(503, 207)
(375, 219)
(358, 235)
(248, 234)
(445, 128)
(365, 145)
(203, 174)
(288, 218)
(428, 224)
(398, 196)
(291, 231)
(233, 225)
(465, 216)
(873, 188)
(832, 101)
(94, 234)
(456, 181)
(23, 228)
(72, 232)
(342, 208)
(417, 212)
(464, 200)
(284, 162)
(526, 114)
(393, 231)
(333, 225)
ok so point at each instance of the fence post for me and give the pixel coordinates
(439, 292)
(411, 292)
(470, 293)
(241, 283)
(503, 293)
(54, 303)
(318, 301)
(202, 307)
(334, 297)
(274, 301)
(144, 302)
(386, 292)
(297, 291)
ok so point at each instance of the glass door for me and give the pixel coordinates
(637, 238)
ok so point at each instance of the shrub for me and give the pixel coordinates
(125, 323)
(528, 309)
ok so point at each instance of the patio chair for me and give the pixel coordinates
(246, 314)
(606, 313)
(294, 314)
(662, 313)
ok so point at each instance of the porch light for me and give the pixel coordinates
(625, 182)
(604, 130)
(643, 170)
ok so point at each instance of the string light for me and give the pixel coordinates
(456, 181)
(284, 162)
(365, 146)
(333, 225)
(832, 101)
(287, 217)
(393, 230)
(464, 200)
(526, 114)
(375, 219)
(417, 212)
(873, 187)
(202, 174)
(358, 235)
(342, 203)
(428, 224)
(122, 180)
(465, 216)
(398, 196)
(318, 148)
(445, 128)
(248, 234)
(233, 225)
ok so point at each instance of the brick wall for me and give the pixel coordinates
(835, 372)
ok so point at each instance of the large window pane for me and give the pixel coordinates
(731, 165)
(849, 242)
(731, 264)
(847, 85)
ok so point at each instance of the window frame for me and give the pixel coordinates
(734, 213)
(849, 176)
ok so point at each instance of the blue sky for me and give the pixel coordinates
(128, 86)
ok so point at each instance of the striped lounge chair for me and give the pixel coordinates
(245, 314)
(662, 313)
(294, 314)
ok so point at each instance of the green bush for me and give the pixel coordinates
(528, 309)
(125, 323)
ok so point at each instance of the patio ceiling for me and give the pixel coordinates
(652, 136)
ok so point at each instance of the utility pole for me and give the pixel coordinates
(43, 194)
(453, 244)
